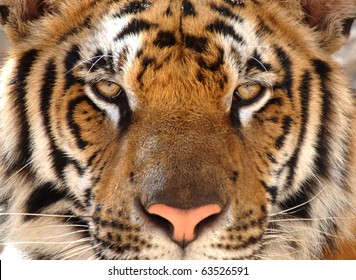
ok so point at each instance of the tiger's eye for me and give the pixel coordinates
(247, 92)
(108, 89)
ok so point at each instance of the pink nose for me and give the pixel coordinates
(184, 221)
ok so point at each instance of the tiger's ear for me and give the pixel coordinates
(331, 19)
(17, 15)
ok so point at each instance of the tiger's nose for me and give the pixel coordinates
(184, 221)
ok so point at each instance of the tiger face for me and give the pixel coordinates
(175, 129)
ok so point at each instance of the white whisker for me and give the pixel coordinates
(50, 226)
(42, 215)
(66, 234)
(77, 252)
(44, 242)
(298, 206)
(19, 171)
(266, 70)
(311, 219)
(89, 61)
(96, 255)
(69, 246)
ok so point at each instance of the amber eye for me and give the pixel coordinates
(248, 93)
(107, 89)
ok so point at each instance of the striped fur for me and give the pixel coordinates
(77, 170)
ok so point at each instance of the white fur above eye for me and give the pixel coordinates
(246, 112)
(111, 109)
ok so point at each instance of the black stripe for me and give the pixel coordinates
(74, 220)
(92, 158)
(234, 115)
(88, 195)
(234, 3)
(98, 61)
(223, 81)
(304, 91)
(256, 62)
(322, 161)
(256, 2)
(101, 60)
(168, 11)
(165, 39)
(100, 172)
(271, 158)
(201, 76)
(346, 26)
(125, 112)
(23, 71)
(164, 61)
(287, 122)
(70, 61)
(43, 197)
(49, 81)
(272, 190)
(74, 127)
(196, 43)
(80, 169)
(60, 160)
(121, 60)
(226, 12)
(287, 66)
(188, 9)
(86, 24)
(300, 200)
(277, 101)
(133, 28)
(215, 66)
(262, 157)
(146, 62)
(135, 7)
(4, 13)
(263, 28)
(220, 26)
(139, 53)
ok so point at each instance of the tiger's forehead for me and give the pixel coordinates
(187, 25)
(198, 44)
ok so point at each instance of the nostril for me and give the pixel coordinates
(208, 221)
(161, 223)
(156, 220)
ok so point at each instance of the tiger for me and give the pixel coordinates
(180, 129)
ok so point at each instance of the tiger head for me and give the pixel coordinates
(175, 129)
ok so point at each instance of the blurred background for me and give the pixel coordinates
(347, 57)
(3, 46)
